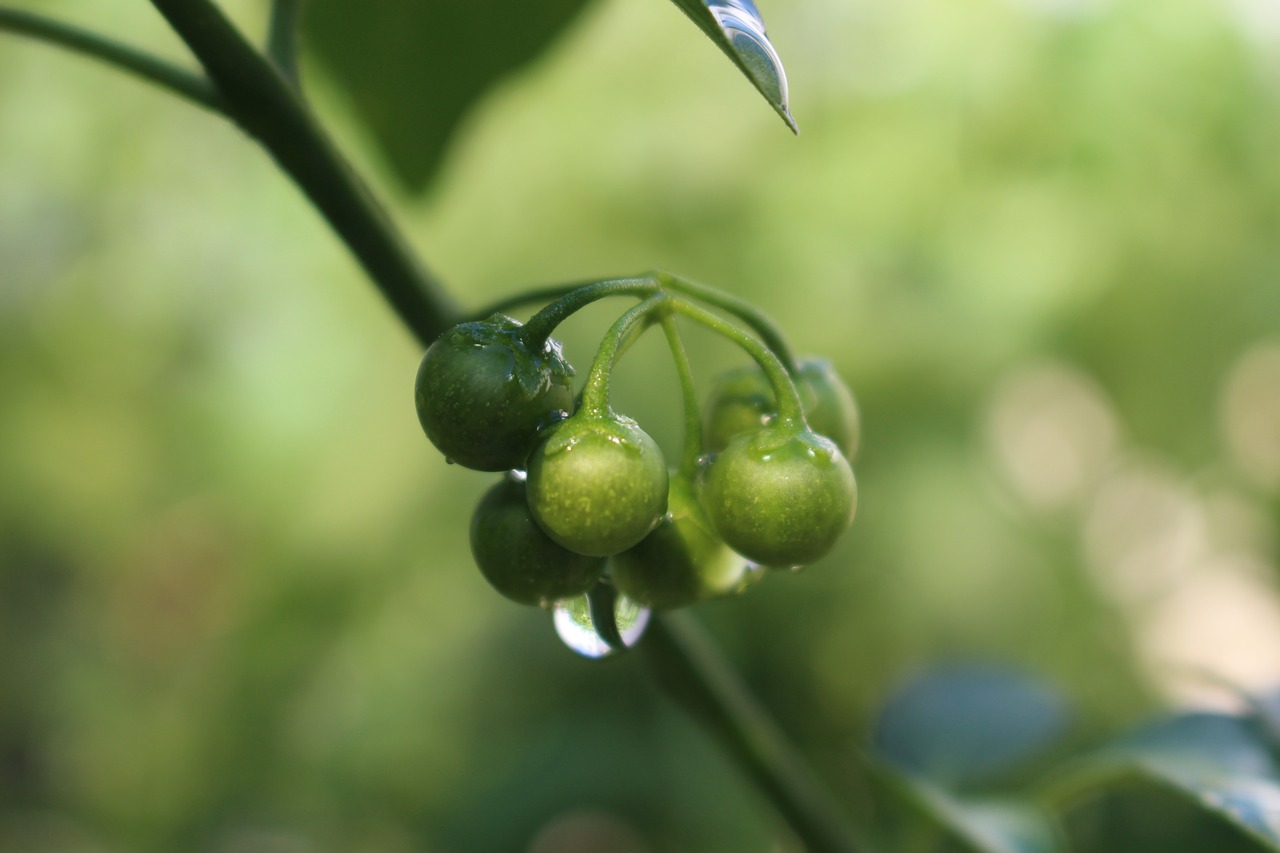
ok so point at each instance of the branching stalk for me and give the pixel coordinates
(186, 84)
(542, 324)
(790, 409)
(755, 319)
(595, 396)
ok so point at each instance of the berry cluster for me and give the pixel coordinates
(589, 503)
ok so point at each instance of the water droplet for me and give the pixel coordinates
(744, 30)
(573, 622)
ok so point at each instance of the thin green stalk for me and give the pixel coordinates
(189, 85)
(694, 674)
(262, 102)
(790, 409)
(602, 605)
(692, 453)
(536, 296)
(595, 394)
(542, 324)
(282, 38)
(743, 310)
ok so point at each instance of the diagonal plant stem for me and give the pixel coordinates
(282, 39)
(259, 98)
(186, 84)
(694, 673)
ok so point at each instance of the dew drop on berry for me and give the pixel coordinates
(574, 625)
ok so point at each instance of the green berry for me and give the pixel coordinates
(743, 401)
(517, 558)
(597, 483)
(483, 394)
(683, 560)
(781, 496)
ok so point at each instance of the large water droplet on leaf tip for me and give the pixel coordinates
(743, 29)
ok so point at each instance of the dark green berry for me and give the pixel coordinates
(597, 483)
(781, 496)
(683, 560)
(483, 393)
(743, 401)
(517, 558)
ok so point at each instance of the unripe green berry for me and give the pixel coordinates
(517, 558)
(597, 483)
(780, 496)
(483, 394)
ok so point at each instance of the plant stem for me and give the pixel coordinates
(692, 452)
(694, 674)
(542, 324)
(790, 409)
(743, 310)
(595, 394)
(602, 603)
(282, 39)
(538, 296)
(189, 85)
(262, 102)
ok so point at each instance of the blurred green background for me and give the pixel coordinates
(1039, 238)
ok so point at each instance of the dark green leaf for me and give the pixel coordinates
(737, 28)
(1217, 764)
(413, 68)
(964, 724)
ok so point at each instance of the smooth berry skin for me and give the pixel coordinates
(742, 401)
(482, 394)
(781, 496)
(517, 558)
(597, 484)
(683, 561)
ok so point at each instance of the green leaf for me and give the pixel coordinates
(964, 724)
(1216, 764)
(737, 28)
(923, 816)
(413, 68)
